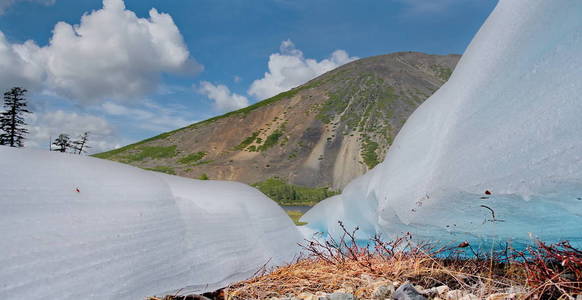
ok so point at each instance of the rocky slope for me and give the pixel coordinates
(321, 134)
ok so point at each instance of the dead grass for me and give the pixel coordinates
(540, 272)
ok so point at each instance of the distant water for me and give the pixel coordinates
(301, 208)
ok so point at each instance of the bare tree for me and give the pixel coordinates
(80, 146)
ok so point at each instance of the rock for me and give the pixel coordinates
(470, 297)
(454, 295)
(341, 296)
(379, 283)
(442, 290)
(407, 292)
(307, 296)
(436, 291)
(318, 296)
(367, 277)
(502, 296)
(195, 297)
(383, 292)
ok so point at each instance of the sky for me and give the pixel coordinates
(129, 70)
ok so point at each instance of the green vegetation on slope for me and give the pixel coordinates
(289, 194)
(247, 141)
(271, 140)
(369, 152)
(192, 158)
(443, 73)
(163, 169)
(243, 111)
(152, 152)
(371, 103)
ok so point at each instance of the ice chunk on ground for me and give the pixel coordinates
(509, 122)
(74, 227)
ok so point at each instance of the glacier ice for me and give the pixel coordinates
(508, 123)
(75, 227)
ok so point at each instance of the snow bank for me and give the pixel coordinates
(127, 233)
(509, 121)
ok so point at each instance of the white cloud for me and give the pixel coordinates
(289, 69)
(111, 54)
(4, 4)
(224, 99)
(48, 125)
(151, 117)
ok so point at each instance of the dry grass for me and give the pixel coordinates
(332, 266)
(541, 272)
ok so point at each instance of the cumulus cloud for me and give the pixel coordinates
(4, 4)
(48, 125)
(289, 69)
(111, 54)
(224, 99)
(149, 116)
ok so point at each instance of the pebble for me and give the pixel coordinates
(442, 290)
(454, 295)
(470, 297)
(383, 292)
(304, 296)
(309, 296)
(502, 296)
(367, 277)
(438, 290)
(407, 292)
(195, 297)
(420, 289)
(341, 296)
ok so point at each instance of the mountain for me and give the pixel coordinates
(321, 134)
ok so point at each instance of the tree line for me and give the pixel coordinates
(13, 129)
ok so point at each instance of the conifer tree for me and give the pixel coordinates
(12, 125)
(62, 143)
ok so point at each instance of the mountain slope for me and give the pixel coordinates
(321, 134)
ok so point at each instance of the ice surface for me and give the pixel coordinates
(127, 233)
(509, 121)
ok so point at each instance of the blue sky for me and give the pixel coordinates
(127, 73)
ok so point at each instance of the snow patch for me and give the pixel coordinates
(77, 227)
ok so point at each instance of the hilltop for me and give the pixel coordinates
(321, 134)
